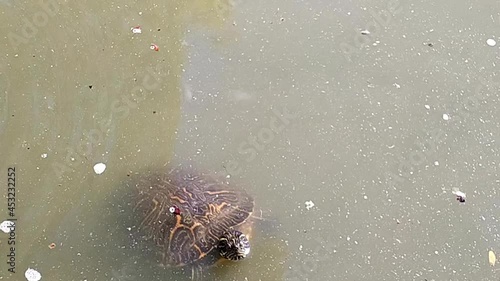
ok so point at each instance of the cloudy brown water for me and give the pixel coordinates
(351, 144)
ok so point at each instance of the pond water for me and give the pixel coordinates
(350, 123)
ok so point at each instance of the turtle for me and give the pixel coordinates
(194, 220)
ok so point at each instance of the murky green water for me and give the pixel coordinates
(350, 143)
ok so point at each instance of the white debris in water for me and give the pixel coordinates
(309, 205)
(365, 32)
(491, 42)
(136, 30)
(5, 226)
(99, 168)
(459, 194)
(44, 155)
(492, 258)
(446, 117)
(427, 106)
(32, 275)
(436, 163)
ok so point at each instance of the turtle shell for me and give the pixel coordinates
(205, 209)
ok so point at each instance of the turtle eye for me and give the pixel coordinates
(174, 210)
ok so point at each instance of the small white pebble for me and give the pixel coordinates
(446, 117)
(436, 163)
(309, 204)
(99, 168)
(44, 155)
(32, 275)
(365, 197)
(427, 106)
(365, 32)
(5, 226)
(491, 42)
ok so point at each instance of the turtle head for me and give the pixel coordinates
(234, 245)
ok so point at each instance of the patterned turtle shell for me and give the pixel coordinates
(185, 214)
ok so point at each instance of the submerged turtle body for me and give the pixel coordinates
(191, 216)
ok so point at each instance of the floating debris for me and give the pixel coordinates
(99, 168)
(365, 32)
(154, 47)
(491, 42)
(427, 106)
(492, 258)
(44, 155)
(136, 30)
(436, 163)
(446, 117)
(459, 194)
(32, 275)
(6, 226)
(309, 205)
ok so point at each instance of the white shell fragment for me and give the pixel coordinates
(492, 258)
(44, 155)
(446, 117)
(5, 226)
(309, 205)
(459, 194)
(427, 106)
(136, 30)
(32, 275)
(99, 168)
(491, 42)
